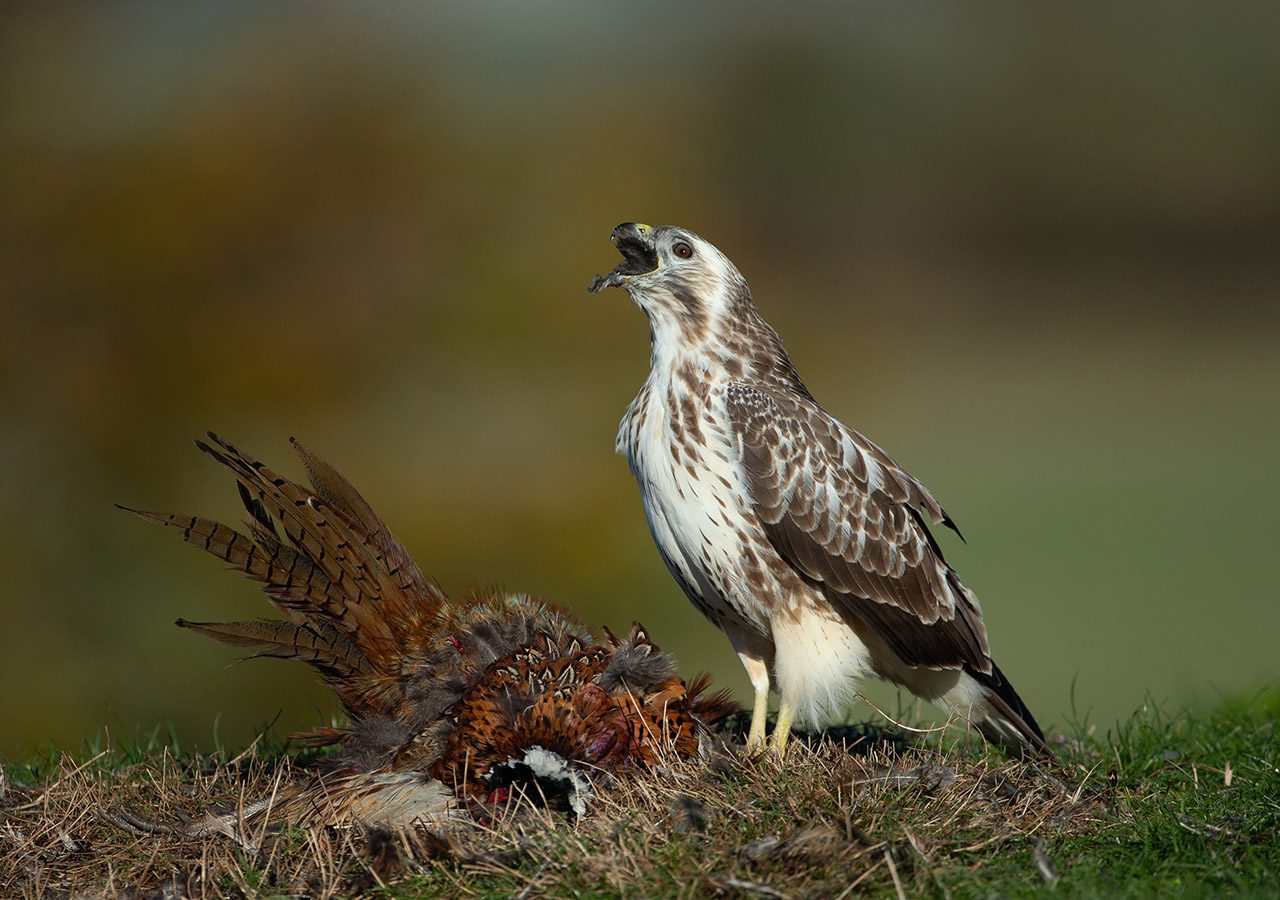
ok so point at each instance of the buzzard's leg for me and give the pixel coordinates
(782, 728)
(758, 673)
(756, 654)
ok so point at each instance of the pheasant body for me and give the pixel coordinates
(449, 699)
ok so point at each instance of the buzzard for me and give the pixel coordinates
(795, 535)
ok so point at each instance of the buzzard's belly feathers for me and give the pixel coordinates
(696, 507)
(818, 662)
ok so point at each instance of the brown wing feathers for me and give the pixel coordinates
(856, 528)
(842, 514)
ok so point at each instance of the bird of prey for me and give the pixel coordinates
(797, 536)
(469, 699)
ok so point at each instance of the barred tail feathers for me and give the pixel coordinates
(322, 646)
(357, 607)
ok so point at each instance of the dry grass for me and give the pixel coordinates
(827, 823)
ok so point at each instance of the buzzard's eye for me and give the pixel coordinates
(682, 250)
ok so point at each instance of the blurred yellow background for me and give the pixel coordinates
(1031, 252)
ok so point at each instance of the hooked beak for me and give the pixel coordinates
(639, 256)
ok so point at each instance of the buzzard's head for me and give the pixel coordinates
(673, 275)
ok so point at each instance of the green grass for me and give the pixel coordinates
(1184, 804)
(1189, 832)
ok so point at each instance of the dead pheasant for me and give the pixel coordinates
(449, 699)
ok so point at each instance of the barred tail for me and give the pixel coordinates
(357, 608)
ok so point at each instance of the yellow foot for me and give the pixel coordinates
(782, 729)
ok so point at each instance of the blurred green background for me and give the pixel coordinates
(1032, 252)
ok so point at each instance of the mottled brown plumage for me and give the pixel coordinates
(448, 698)
(796, 535)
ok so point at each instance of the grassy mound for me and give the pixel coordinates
(1183, 804)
